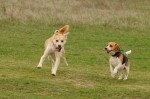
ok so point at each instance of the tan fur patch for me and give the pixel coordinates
(114, 46)
(64, 29)
(121, 58)
(127, 64)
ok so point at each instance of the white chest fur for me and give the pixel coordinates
(51, 49)
(114, 61)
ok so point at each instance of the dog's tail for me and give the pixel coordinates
(127, 53)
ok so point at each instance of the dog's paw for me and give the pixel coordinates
(125, 78)
(39, 66)
(119, 78)
(67, 64)
(112, 75)
(53, 74)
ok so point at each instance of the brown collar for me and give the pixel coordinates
(117, 54)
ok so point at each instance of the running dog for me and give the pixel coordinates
(118, 61)
(54, 46)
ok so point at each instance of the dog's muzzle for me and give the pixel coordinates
(58, 48)
(107, 50)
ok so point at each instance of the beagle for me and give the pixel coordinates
(118, 61)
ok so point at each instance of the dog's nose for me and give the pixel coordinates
(59, 46)
(105, 48)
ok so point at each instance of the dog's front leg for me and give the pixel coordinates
(120, 74)
(65, 61)
(127, 73)
(111, 71)
(46, 52)
(55, 67)
(116, 69)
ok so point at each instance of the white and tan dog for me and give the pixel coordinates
(118, 61)
(55, 46)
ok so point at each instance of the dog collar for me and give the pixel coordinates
(117, 54)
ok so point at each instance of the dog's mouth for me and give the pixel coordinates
(58, 49)
(108, 51)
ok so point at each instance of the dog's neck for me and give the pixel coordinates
(117, 54)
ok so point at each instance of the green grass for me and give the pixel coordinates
(88, 73)
(23, 31)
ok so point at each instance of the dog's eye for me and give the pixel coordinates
(56, 40)
(62, 41)
(110, 45)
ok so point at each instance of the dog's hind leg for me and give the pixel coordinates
(65, 61)
(46, 52)
(127, 73)
(64, 58)
(52, 61)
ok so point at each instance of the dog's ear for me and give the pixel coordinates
(56, 32)
(64, 29)
(66, 33)
(117, 48)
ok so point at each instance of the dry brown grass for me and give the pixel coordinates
(116, 13)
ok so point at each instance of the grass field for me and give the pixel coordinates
(25, 25)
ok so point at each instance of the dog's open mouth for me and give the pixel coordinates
(58, 49)
(108, 51)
